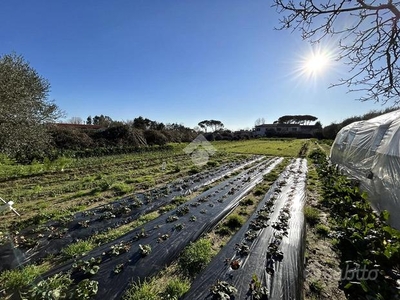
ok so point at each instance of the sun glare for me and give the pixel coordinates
(316, 63)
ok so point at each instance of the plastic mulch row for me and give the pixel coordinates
(265, 258)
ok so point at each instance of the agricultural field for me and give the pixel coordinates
(154, 225)
(270, 147)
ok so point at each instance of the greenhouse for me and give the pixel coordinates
(370, 151)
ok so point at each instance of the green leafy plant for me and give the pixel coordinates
(120, 248)
(90, 266)
(222, 290)
(55, 287)
(85, 289)
(257, 290)
(144, 249)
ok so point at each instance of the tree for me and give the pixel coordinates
(259, 121)
(296, 119)
(102, 120)
(368, 40)
(24, 110)
(213, 124)
(89, 120)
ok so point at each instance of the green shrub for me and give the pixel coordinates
(312, 215)
(178, 200)
(195, 257)
(234, 221)
(259, 191)
(247, 201)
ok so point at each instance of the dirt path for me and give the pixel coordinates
(322, 273)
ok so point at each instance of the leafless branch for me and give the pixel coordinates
(370, 47)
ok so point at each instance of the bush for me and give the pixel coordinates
(195, 257)
(234, 221)
(259, 192)
(247, 201)
(154, 137)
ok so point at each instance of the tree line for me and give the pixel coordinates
(296, 119)
(330, 131)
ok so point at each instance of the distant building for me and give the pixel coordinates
(286, 130)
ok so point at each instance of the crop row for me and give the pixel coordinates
(264, 259)
(364, 239)
(36, 242)
(143, 252)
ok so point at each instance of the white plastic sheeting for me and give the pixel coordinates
(370, 151)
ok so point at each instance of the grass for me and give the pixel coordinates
(312, 215)
(17, 279)
(270, 147)
(77, 249)
(145, 290)
(167, 285)
(121, 188)
(322, 230)
(176, 288)
(195, 257)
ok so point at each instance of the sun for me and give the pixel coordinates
(316, 63)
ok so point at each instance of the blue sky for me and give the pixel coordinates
(173, 61)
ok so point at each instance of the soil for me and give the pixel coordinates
(322, 272)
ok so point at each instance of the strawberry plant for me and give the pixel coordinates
(90, 266)
(222, 290)
(144, 249)
(363, 236)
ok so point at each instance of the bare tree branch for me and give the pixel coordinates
(370, 46)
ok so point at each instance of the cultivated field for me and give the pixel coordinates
(271, 147)
(153, 225)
